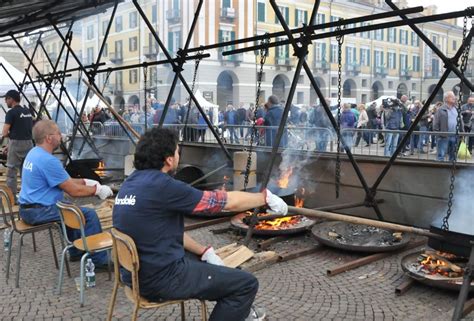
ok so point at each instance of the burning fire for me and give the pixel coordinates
(436, 263)
(100, 169)
(299, 197)
(285, 177)
(280, 223)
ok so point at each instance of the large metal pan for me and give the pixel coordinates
(359, 244)
(457, 240)
(304, 225)
(410, 267)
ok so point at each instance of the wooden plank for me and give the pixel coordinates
(260, 261)
(240, 256)
(468, 307)
(226, 250)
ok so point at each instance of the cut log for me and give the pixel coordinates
(227, 250)
(260, 260)
(453, 267)
(243, 254)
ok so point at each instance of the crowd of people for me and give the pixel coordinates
(309, 126)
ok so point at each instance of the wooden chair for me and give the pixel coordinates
(125, 255)
(17, 225)
(73, 218)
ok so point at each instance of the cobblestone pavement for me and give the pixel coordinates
(295, 290)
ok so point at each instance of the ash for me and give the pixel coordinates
(363, 235)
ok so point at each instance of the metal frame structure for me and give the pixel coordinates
(299, 38)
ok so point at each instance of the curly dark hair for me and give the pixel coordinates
(154, 147)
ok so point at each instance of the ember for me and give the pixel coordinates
(285, 177)
(438, 263)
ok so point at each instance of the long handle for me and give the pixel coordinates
(112, 110)
(359, 220)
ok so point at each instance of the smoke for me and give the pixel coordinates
(462, 214)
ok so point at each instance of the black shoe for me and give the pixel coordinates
(366, 145)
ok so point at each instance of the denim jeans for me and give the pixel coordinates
(446, 145)
(46, 214)
(234, 290)
(391, 141)
(322, 138)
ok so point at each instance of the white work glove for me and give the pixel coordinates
(90, 182)
(211, 257)
(275, 203)
(103, 191)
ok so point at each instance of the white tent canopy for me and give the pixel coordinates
(206, 105)
(5, 81)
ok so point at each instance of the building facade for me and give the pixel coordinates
(390, 61)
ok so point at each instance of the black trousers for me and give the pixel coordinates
(233, 290)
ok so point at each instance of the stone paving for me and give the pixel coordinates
(295, 290)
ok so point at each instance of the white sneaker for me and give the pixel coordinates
(256, 314)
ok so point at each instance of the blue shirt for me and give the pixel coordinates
(41, 175)
(149, 208)
(452, 119)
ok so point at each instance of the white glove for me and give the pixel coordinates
(90, 182)
(103, 191)
(275, 203)
(211, 257)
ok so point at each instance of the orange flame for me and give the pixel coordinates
(435, 266)
(280, 223)
(100, 169)
(299, 197)
(285, 177)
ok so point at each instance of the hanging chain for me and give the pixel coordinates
(145, 76)
(196, 67)
(464, 58)
(340, 42)
(263, 58)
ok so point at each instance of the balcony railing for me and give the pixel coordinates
(380, 71)
(150, 52)
(228, 13)
(321, 65)
(173, 15)
(116, 57)
(353, 68)
(406, 73)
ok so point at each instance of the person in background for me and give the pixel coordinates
(467, 117)
(392, 120)
(273, 118)
(241, 116)
(445, 120)
(231, 120)
(18, 128)
(362, 124)
(348, 121)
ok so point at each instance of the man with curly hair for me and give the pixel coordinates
(150, 207)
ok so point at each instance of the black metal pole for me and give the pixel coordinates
(447, 62)
(421, 112)
(93, 73)
(178, 70)
(32, 56)
(466, 285)
(343, 32)
(181, 62)
(91, 82)
(301, 53)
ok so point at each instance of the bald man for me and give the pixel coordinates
(445, 120)
(44, 181)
